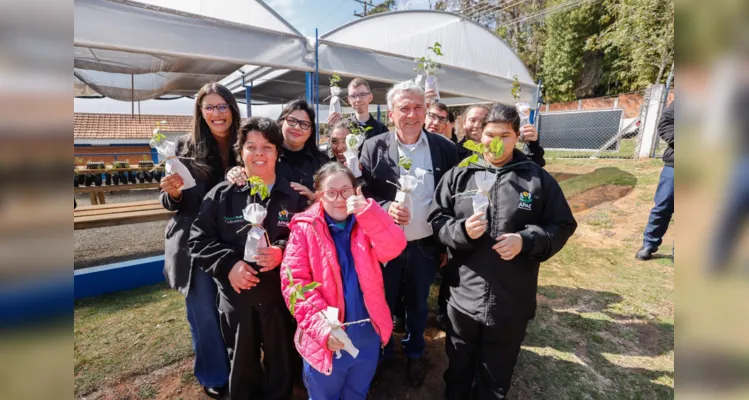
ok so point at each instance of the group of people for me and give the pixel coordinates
(354, 245)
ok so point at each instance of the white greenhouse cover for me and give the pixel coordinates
(129, 50)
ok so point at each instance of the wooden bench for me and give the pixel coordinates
(96, 193)
(88, 217)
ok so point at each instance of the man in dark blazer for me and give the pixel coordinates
(431, 156)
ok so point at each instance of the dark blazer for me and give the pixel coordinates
(177, 263)
(379, 162)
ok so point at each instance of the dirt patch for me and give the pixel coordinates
(562, 176)
(598, 195)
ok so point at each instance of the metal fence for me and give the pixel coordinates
(599, 128)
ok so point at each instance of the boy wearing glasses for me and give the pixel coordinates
(360, 96)
(438, 120)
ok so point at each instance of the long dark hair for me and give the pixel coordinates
(301, 104)
(201, 146)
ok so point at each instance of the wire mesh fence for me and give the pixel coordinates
(606, 127)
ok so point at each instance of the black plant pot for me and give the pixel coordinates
(115, 178)
(89, 179)
(149, 176)
(81, 179)
(131, 177)
(141, 177)
(97, 179)
(108, 178)
(157, 175)
(123, 177)
(75, 181)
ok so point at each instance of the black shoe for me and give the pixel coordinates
(215, 392)
(645, 253)
(442, 322)
(415, 372)
(399, 325)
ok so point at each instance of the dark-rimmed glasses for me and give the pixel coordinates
(294, 122)
(440, 120)
(222, 108)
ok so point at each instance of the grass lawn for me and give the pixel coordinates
(626, 150)
(604, 326)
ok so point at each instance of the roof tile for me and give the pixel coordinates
(125, 126)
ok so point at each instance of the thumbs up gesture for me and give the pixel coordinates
(356, 203)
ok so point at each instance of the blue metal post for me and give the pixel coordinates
(535, 111)
(378, 112)
(317, 89)
(308, 87)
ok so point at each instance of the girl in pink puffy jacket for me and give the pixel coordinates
(340, 242)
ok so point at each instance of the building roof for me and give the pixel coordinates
(125, 126)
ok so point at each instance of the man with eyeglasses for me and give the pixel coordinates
(438, 120)
(359, 96)
(411, 274)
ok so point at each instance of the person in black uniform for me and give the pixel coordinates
(207, 153)
(360, 96)
(496, 258)
(253, 312)
(299, 158)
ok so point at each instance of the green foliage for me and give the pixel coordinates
(426, 64)
(515, 88)
(385, 6)
(257, 186)
(496, 148)
(334, 80)
(297, 290)
(405, 162)
(357, 129)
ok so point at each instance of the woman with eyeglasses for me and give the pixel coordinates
(253, 314)
(339, 242)
(300, 158)
(207, 153)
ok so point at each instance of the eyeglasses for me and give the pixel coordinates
(294, 122)
(441, 120)
(358, 95)
(334, 141)
(332, 195)
(222, 108)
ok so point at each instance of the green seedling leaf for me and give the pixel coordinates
(515, 88)
(334, 80)
(258, 187)
(473, 146)
(405, 162)
(497, 147)
(310, 287)
(292, 301)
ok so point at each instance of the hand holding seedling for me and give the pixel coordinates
(237, 176)
(243, 277)
(269, 258)
(528, 133)
(400, 213)
(172, 185)
(334, 344)
(475, 226)
(333, 118)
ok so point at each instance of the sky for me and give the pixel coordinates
(326, 15)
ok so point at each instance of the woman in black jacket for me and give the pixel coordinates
(299, 159)
(496, 258)
(253, 311)
(206, 153)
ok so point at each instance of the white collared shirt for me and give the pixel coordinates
(421, 197)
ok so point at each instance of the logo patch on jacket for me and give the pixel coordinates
(525, 201)
(284, 217)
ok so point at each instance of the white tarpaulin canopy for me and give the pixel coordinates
(134, 51)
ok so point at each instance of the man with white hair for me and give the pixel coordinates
(417, 266)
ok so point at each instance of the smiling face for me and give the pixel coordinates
(259, 156)
(474, 120)
(335, 203)
(509, 139)
(359, 97)
(295, 136)
(436, 121)
(408, 113)
(217, 114)
(338, 143)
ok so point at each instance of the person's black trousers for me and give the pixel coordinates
(246, 330)
(486, 353)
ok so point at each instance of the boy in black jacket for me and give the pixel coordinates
(496, 257)
(253, 312)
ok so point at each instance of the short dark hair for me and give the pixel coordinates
(329, 169)
(440, 106)
(502, 114)
(451, 117)
(270, 130)
(302, 104)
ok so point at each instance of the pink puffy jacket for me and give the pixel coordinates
(311, 256)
